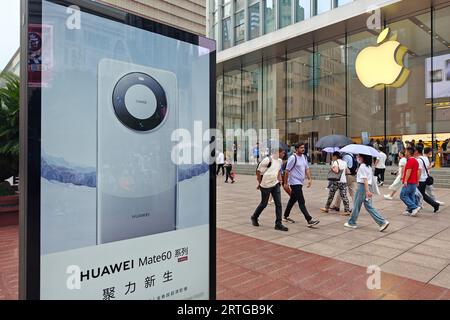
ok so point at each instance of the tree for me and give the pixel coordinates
(9, 126)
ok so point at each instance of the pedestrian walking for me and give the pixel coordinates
(429, 190)
(410, 181)
(339, 167)
(256, 153)
(268, 175)
(424, 163)
(297, 170)
(380, 166)
(398, 183)
(228, 168)
(352, 165)
(364, 193)
(220, 160)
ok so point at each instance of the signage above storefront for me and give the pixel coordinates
(382, 65)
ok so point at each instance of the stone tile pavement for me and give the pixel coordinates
(251, 269)
(417, 248)
(9, 262)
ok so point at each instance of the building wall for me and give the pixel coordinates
(184, 14)
(312, 92)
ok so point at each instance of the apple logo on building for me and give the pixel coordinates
(383, 64)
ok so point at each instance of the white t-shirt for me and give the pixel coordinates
(401, 166)
(423, 172)
(270, 175)
(381, 161)
(220, 158)
(364, 172)
(342, 167)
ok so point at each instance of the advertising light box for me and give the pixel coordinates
(116, 202)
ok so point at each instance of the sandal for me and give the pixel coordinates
(324, 210)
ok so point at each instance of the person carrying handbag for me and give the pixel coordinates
(338, 178)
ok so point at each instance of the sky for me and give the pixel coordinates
(9, 30)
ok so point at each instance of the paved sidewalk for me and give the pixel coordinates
(417, 248)
(9, 262)
(250, 269)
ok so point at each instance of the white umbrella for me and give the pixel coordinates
(330, 149)
(360, 149)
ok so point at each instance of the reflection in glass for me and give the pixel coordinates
(302, 10)
(239, 29)
(253, 21)
(226, 33)
(322, 6)
(269, 16)
(285, 13)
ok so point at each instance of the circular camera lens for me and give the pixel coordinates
(139, 101)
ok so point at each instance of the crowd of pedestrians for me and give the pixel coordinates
(358, 177)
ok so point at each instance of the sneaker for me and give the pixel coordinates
(254, 221)
(313, 222)
(381, 183)
(440, 202)
(281, 227)
(384, 226)
(287, 219)
(415, 211)
(388, 197)
(406, 213)
(350, 225)
(436, 209)
(271, 202)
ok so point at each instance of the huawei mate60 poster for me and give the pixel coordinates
(121, 218)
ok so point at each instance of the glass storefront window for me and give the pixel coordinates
(269, 16)
(407, 110)
(253, 22)
(251, 107)
(219, 110)
(342, 2)
(313, 92)
(365, 107)
(226, 33)
(329, 97)
(302, 10)
(322, 6)
(232, 112)
(239, 28)
(285, 15)
(274, 79)
(299, 96)
(226, 8)
(440, 77)
(239, 5)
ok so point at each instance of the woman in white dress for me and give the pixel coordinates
(397, 184)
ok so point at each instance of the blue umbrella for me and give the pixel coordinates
(334, 140)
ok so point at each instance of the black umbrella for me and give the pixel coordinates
(334, 140)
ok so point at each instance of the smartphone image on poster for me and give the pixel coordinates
(136, 178)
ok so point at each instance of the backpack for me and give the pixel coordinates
(268, 166)
(354, 167)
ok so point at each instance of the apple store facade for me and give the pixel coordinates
(298, 75)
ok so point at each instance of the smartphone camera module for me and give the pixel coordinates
(139, 102)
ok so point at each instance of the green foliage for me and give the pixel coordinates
(9, 125)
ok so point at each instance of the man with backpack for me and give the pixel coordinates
(297, 170)
(268, 175)
(352, 164)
